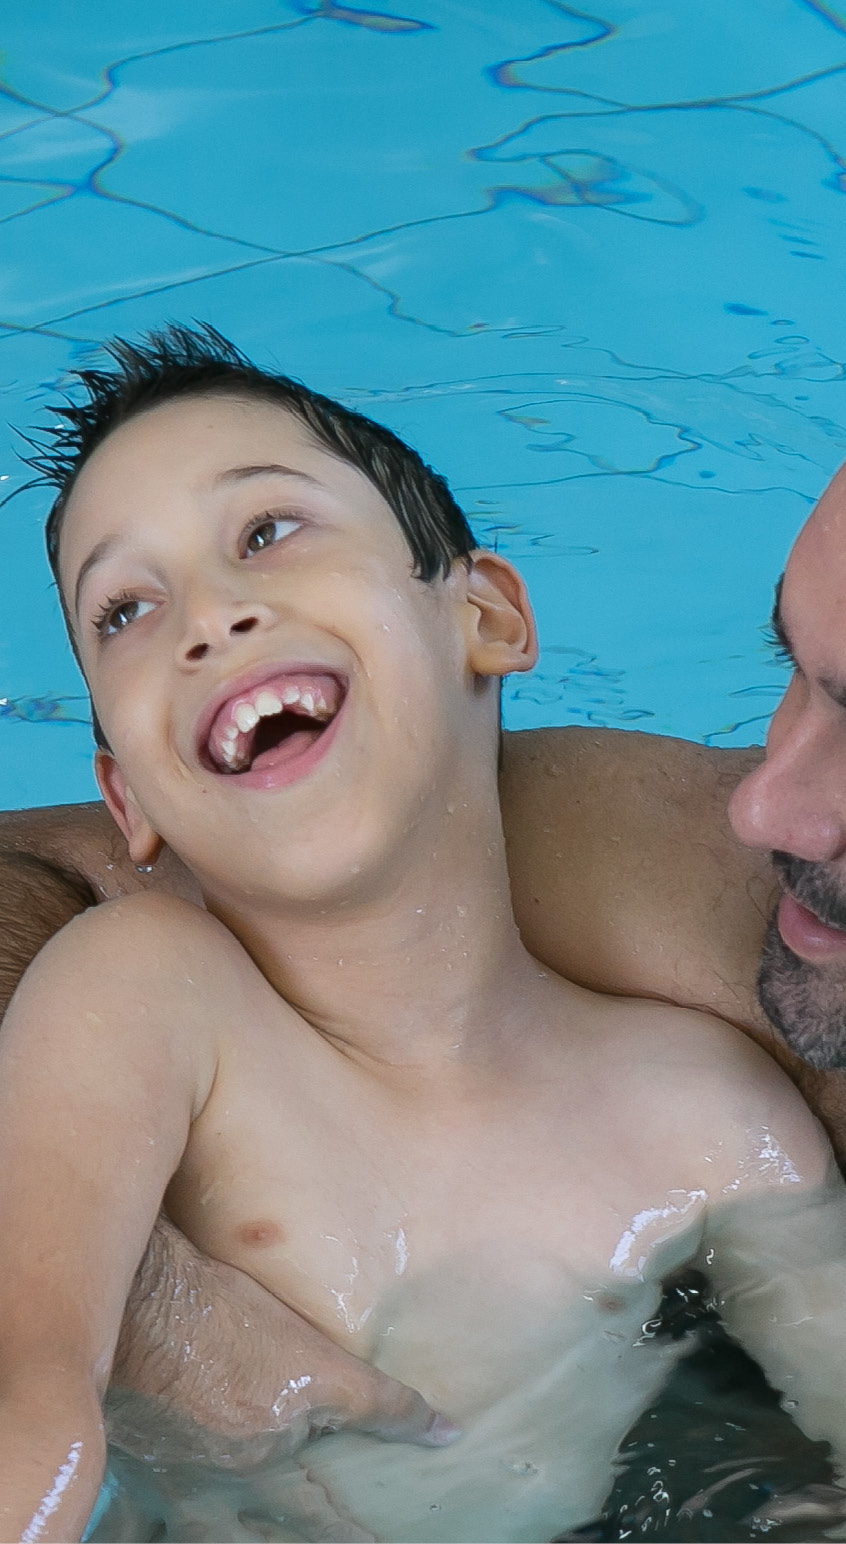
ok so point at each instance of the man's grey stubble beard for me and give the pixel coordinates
(805, 1002)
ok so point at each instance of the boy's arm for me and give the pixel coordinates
(95, 1109)
(252, 1364)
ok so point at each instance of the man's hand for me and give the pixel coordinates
(217, 1385)
(238, 1364)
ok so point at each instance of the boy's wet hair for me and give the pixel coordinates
(180, 362)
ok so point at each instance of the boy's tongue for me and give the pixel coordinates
(259, 728)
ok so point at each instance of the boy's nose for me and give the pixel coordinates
(795, 801)
(213, 622)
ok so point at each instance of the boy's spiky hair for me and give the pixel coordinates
(178, 362)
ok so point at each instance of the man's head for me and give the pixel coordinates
(795, 802)
(277, 606)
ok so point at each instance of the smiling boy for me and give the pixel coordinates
(346, 1075)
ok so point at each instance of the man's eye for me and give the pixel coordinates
(269, 530)
(781, 654)
(117, 614)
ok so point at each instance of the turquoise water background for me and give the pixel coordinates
(590, 263)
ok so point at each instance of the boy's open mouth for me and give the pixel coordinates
(272, 723)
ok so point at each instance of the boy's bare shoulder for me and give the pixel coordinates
(148, 960)
(716, 1093)
(136, 934)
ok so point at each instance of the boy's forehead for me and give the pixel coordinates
(183, 460)
(191, 447)
(193, 438)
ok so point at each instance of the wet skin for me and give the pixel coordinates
(794, 804)
(362, 1084)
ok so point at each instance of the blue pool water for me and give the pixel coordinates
(590, 263)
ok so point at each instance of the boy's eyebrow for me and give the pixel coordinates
(240, 473)
(95, 556)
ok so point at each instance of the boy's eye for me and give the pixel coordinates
(117, 614)
(269, 530)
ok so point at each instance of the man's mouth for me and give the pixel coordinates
(806, 935)
(273, 723)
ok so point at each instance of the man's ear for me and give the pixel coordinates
(143, 842)
(502, 633)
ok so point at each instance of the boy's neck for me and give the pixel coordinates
(424, 974)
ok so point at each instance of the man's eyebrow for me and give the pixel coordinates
(95, 556)
(241, 473)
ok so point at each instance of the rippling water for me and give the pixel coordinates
(590, 263)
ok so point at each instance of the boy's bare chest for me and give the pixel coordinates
(379, 1215)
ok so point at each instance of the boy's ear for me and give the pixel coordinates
(502, 633)
(143, 842)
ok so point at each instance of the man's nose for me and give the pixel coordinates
(213, 620)
(795, 801)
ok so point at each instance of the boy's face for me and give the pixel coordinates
(220, 568)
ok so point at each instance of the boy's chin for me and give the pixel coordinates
(273, 878)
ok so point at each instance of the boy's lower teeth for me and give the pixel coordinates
(294, 744)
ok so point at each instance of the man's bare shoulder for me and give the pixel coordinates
(626, 874)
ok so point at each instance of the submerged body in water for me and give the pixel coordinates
(548, 1375)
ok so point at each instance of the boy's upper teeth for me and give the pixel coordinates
(314, 698)
(265, 703)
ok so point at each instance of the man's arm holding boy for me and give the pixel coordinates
(627, 878)
(625, 873)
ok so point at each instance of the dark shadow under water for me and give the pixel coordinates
(716, 1458)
